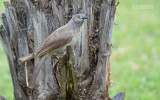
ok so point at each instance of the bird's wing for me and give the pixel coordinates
(56, 40)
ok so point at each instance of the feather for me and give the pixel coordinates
(56, 40)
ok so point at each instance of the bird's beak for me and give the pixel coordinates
(85, 17)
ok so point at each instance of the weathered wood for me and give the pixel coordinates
(101, 80)
(26, 58)
(26, 70)
(18, 91)
(85, 49)
(82, 73)
(68, 81)
(45, 80)
(5, 23)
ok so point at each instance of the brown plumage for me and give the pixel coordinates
(57, 42)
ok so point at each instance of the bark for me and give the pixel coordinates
(82, 73)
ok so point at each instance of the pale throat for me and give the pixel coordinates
(76, 25)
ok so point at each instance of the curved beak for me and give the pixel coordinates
(85, 17)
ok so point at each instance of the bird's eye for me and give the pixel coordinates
(78, 16)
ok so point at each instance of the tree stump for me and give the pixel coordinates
(83, 75)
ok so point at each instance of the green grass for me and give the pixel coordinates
(6, 87)
(135, 55)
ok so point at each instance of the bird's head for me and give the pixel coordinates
(78, 19)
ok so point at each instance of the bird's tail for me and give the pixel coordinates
(36, 71)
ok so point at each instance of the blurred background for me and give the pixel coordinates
(135, 59)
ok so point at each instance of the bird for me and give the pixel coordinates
(63, 36)
(56, 43)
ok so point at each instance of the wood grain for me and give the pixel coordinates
(83, 73)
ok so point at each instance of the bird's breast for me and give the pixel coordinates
(75, 39)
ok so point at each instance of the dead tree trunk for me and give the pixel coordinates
(26, 23)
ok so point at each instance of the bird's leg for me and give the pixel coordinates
(55, 62)
(26, 71)
(46, 57)
(54, 56)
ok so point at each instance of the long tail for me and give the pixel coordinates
(36, 72)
